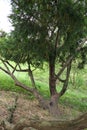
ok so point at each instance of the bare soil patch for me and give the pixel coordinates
(28, 108)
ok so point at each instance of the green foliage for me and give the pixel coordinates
(75, 99)
(36, 25)
(2, 34)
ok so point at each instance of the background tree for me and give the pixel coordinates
(51, 31)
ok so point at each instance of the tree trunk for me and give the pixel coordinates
(53, 104)
(52, 81)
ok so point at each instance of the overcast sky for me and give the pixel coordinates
(5, 10)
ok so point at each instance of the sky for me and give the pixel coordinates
(5, 10)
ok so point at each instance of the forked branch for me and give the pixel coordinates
(70, 58)
(65, 84)
(34, 91)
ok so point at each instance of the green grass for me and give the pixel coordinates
(75, 97)
(7, 84)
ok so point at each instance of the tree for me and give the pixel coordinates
(51, 31)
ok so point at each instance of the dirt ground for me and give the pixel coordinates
(27, 109)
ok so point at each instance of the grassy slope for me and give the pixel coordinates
(75, 97)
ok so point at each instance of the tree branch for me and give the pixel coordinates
(20, 69)
(18, 83)
(61, 80)
(15, 68)
(65, 84)
(56, 42)
(5, 65)
(70, 58)
(31, 77)
(33, 90)
(4, 70)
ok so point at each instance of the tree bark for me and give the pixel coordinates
(53, 104)
(31, 77)
(65, 83)
(52, 81)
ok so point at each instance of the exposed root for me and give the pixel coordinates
(11, 110)
(77, 124)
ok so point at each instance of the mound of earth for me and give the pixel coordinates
(26, 108)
